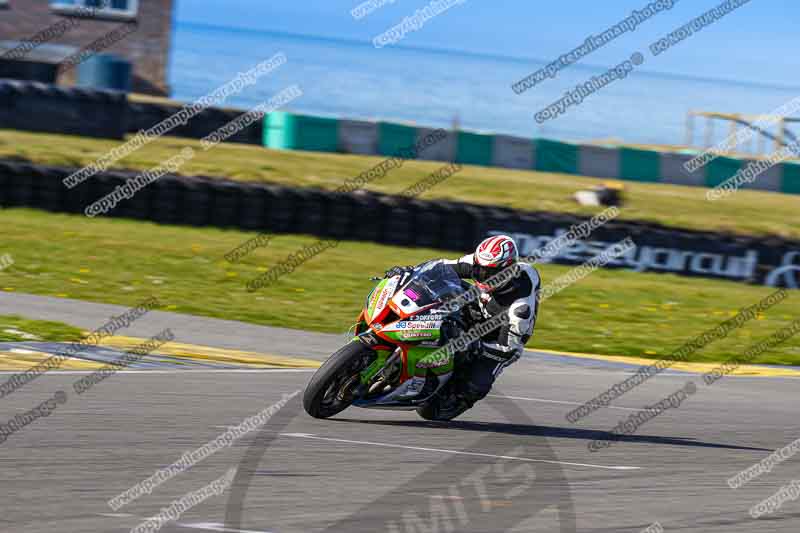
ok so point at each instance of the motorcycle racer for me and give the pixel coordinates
(515, 296)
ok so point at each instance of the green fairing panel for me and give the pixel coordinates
(394, 335)
(417, 353)
(369, 372)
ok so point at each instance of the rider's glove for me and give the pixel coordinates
(398, 271)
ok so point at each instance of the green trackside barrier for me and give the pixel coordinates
(301, 132)
(474, 149)
(275, 133)
(554, 156)
(720, 169)
(395, 137)
(639, 165)
(790, 181)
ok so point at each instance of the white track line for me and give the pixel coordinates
(215, 526)
(176, 371)
(206, 526)
(608, 371)
(456, 452)
(556, 401)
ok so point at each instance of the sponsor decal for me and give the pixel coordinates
(383, 298)
(424, 317)
(418, 325)
(415, 334)
(373, 298)
(388, 290)
(642, 258)
(411, 294)
(787, 274)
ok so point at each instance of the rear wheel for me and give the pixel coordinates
(447, 403)
(444, 406)
(430, 410)
(329, 391)
(435, 411)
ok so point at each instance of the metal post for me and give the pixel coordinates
(781, 133)
(709, 131)
(731, 146)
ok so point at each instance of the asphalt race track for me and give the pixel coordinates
(513, 463)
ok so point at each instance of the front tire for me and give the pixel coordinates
(322, 397)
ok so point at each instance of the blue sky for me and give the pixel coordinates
(755, 43)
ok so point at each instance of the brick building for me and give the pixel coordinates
(61, 28)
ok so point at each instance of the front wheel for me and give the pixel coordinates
(329, 391)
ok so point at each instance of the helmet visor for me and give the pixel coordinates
(483, 273)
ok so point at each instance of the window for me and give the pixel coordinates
(118, 9)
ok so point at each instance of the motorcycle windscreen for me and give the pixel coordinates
(433, 282)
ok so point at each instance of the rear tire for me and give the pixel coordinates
(429, 411)
(433, 411)
(330, 377)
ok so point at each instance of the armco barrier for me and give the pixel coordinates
(301, 132)
(284, 130)
(638, 165)
(554, 156)
(443, 150)
(358, 137)
(397, 221)
(474, 149)
(224, 211)
(392, 138)
(281, 209)
(274, 131)
(33, 106)
(166, 207)
(599, 162)
(769, 180)
(363, 216)
(512, 152)
(254, 207)
(673, 172)
(721, 169)
(790, 182)
(145, 115)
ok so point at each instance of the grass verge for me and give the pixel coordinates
(16, 328)
(746, 212)
(120, 262)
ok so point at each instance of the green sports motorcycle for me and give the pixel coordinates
(397, 358)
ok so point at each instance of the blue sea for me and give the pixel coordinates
(439, 88)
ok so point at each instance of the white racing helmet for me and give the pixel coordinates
(493, 255)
